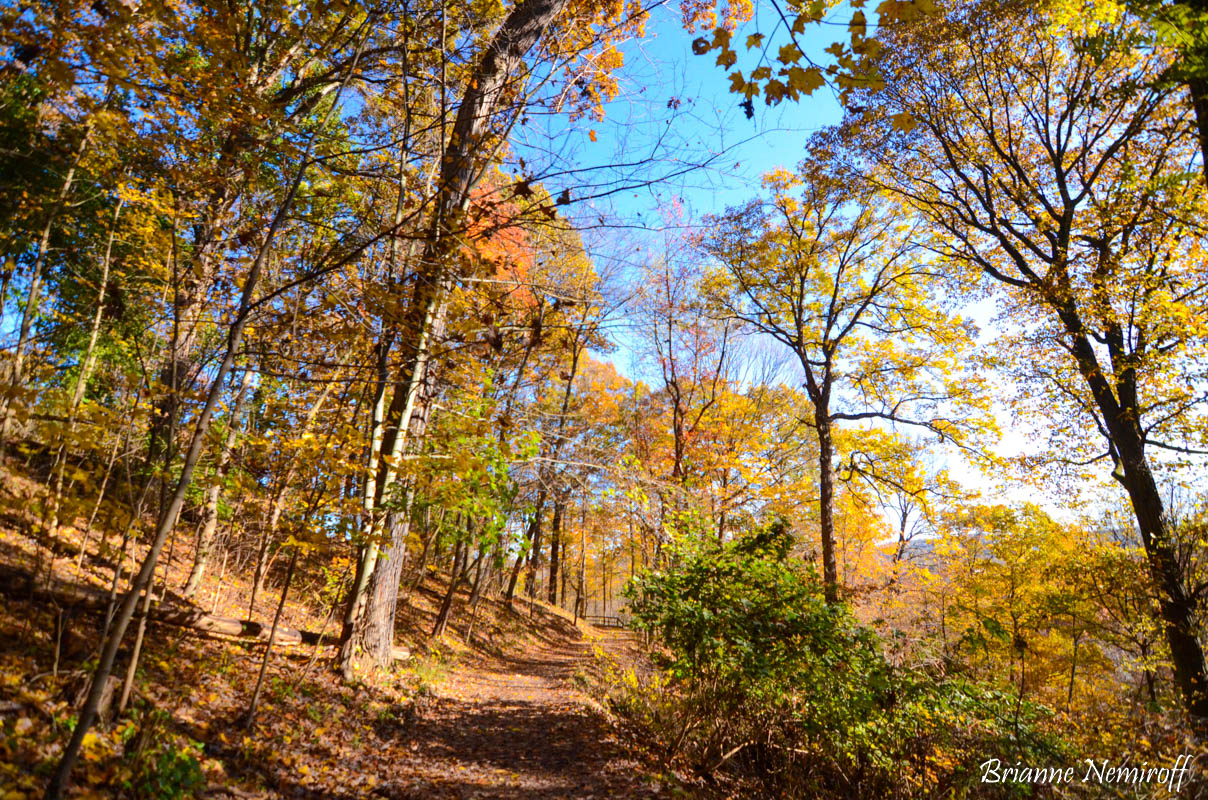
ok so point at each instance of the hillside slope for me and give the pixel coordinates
(497, 716)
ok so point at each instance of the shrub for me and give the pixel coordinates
(768, 684)
(161, 764)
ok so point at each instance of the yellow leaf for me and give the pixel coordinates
(903, 122)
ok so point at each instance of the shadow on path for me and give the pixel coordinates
(515, 728)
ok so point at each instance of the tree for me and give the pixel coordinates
(1059, 171)
(693, 354)
(169, 513)
(1179, 26)
(834, 276)
(765, 678)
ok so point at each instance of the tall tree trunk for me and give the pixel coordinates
(460, 554)
(81, 385)
(531, 534)
(1178, 609)
(581, 589)
(373, 636)
(191, 286)
(137, 649)
(482, 569)
(534, 562)
(1197, 85)
(405, 419)
(209, 523)
(369, 616)
(284, 489)
(826, 500)
(96, 504)
(367, 554)
(489, 89)
(377, 481)
(555, 539)
(429, 536)
(1199, 99)
(1119, 404)
(272, 637)
(509, 594)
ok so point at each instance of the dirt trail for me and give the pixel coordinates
(517, 728)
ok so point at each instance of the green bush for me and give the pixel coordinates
(767, 684)
(162, 765)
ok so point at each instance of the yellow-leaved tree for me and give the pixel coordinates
(829, 270)
(1051, 165)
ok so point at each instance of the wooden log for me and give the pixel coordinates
(185, 617)
(17, 583)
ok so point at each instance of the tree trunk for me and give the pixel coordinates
(482, 569)
(137, 649)
(555, 537)
(96, 505)
(510, 593)
(191, 286)
(367, 554)
(30, 312)
(826, 501)
(278, 507)
(1121, 412)
(372, 637)
(369, 619)
(1177, 608)
(421, 565)
(534, 562)
(263, 552)
(581, 589)
(1199, 99)
(460, 551)
(532, 533)
(272, 637)
(405, 419)
(81, 385)
(489, 89)
(209, 524)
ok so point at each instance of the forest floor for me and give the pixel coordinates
(497, 713)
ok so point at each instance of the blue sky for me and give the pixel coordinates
(672, 147)
(674, 109)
